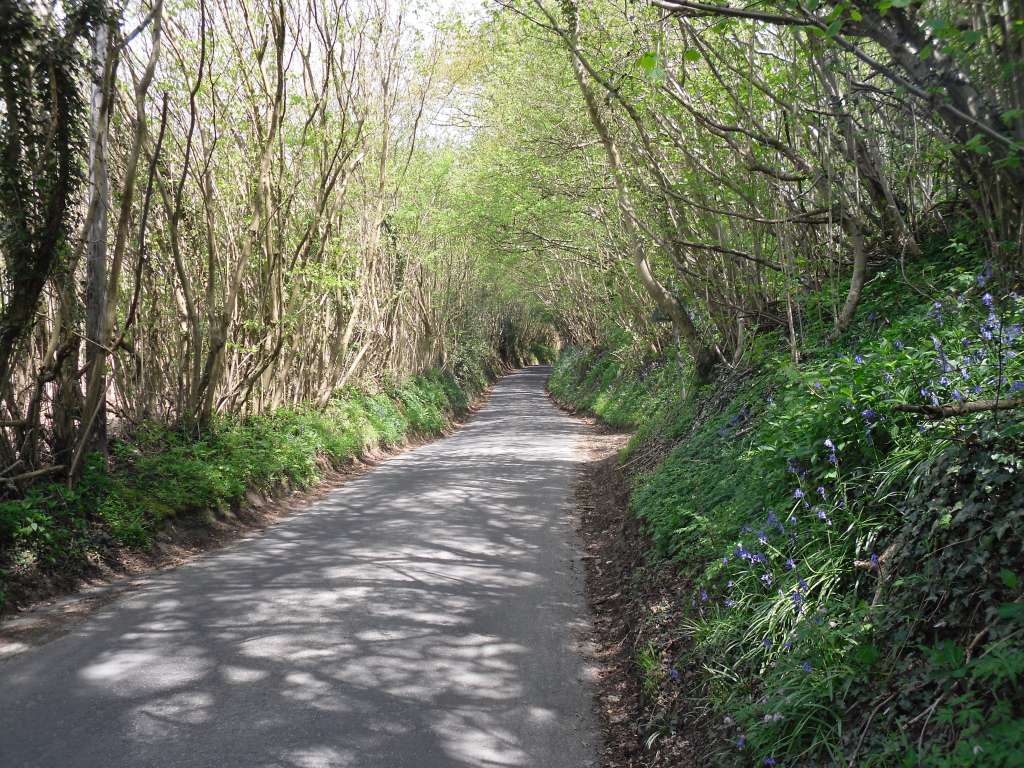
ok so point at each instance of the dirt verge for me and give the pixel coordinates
(636, 602)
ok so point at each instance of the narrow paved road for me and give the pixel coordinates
(420, 616)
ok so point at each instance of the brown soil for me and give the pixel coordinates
(636, 602)
(41, 607)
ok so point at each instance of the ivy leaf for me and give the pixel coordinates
(1009, 578)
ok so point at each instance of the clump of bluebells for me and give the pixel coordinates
(780, 505)
(790, 596)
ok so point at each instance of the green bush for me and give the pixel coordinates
(856, 566)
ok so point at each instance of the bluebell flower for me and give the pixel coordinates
(898, 344)
(792, 518)
(816, 385)
(832, 458)
(829, 443)
(858, 359)
(806, 666)
(762, 537)
(729, 584)
(767, 642)
(944, 381)
(987, 300)
(874, 560)
(1017, 386)
(703, 595)
(821, 491)
(958, 395)
(888, 377)
(770, 761)
(729, 603)
(798, 493)
(787, 646)
(741, 741)
(767, 579)
(800, 582)
(798, 601)
(790, 564)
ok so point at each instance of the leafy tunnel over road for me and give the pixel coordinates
(425, 614)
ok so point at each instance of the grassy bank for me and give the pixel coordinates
(857, 569)
(157, 474)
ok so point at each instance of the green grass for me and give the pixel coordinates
(158, 473)
(787, 480)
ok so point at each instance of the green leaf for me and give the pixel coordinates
(691, 54)
(1009, 578)
(648, 62)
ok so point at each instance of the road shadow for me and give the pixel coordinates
(422, 615)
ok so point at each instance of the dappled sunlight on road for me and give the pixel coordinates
(421, 615)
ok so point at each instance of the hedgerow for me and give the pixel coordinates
(858, 568)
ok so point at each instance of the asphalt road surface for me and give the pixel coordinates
(423, 615)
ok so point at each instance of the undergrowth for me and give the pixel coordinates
(158, 473)
(859, 568)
